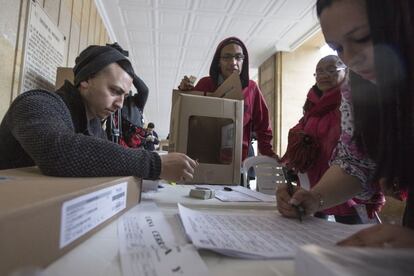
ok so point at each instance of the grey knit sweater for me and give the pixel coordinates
(50, 130)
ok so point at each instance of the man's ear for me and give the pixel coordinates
(84, 84)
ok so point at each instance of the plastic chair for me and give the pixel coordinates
(268, 173)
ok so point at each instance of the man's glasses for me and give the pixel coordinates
(330, 72)
(229, 57)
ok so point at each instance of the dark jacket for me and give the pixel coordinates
(50, 130)
(149, 144)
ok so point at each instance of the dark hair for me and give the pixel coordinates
(321, 5)
(214, 68)
(383, 113)
(150, 125)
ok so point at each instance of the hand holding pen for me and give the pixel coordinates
(290, 177)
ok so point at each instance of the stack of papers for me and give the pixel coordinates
(148, 247)
(260, 234)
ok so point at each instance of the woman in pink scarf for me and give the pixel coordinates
(312, 140)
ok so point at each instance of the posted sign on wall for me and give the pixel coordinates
(43, 51)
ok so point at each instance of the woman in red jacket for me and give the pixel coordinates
(231, 55)
(312, 140)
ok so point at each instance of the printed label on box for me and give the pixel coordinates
(82, 214)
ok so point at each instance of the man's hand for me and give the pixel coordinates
(177, 167)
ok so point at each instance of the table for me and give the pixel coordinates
(99, 254)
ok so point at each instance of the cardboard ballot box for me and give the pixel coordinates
(231, 88)
(208, 129)
(42, 217)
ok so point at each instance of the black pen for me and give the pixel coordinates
(289, 177)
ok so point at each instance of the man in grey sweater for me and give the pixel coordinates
(62, 133)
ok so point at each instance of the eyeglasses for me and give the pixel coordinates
(229, 57)
(330, 72)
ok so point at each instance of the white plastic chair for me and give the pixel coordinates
(268, 173)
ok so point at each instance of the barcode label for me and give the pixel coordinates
(82, 214)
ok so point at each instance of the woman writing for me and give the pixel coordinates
(375, 39)
(312, 141)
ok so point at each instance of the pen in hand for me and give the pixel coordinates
(289, 178)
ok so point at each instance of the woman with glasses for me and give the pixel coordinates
(375, 39)
(231, 55)
(312, 141)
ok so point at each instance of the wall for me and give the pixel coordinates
(78, 20)
(269, 81)
(297, 78)
(9, 20)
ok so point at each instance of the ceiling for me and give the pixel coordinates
(168, 39)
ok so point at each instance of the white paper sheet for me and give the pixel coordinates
(259, 235)
(148, 247)
(238, 194)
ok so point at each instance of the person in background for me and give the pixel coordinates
(151, 137)
(375, 39)
(312, 141)
(231, 55)
(62, 133)
(126, 125)
(134, 104)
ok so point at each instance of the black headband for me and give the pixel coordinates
(95, 58)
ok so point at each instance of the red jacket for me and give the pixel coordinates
(322, 123)
(256, 116)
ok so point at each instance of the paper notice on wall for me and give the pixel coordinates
(148, 246)
(43, 51)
